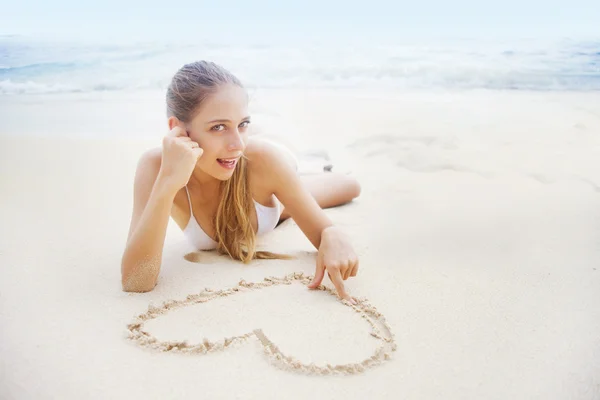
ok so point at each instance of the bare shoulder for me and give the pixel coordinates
(270, 166)
(265, 156)
(151, 158)
(147, 169)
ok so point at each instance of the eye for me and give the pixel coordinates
(217, 128)
(244, 124)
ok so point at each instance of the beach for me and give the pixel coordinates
(477, 230)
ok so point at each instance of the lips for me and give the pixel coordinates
(228, 163)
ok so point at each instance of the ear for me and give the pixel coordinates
(173, 122)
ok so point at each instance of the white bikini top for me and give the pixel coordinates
(268, 217)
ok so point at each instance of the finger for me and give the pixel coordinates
(178, 131)
(346, 271)
(193, 144)
(198, 152)
(354, 269)
(336, 278)
(319, 274)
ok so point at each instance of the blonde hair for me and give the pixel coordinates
(189, 87)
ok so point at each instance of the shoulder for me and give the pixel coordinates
(151, 158)
(148, 166)
(270, 165)
(266, 156)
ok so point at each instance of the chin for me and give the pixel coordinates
(224, 176)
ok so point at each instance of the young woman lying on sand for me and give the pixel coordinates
(224, 188)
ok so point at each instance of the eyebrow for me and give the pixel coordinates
(226, 120)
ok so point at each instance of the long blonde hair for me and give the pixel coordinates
(189, 87)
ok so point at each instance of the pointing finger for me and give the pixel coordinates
(336, 278)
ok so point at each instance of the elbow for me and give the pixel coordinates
(129, 289)
(132, 282)
(131, 286)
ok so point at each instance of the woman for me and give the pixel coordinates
(223, 188)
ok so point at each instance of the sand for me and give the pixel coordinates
(287, 362)
(477, 231)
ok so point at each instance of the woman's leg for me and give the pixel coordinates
(329, 189)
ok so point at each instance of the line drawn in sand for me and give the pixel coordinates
(368, 312)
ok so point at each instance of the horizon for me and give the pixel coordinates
(268, 21)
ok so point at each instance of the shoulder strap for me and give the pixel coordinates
(189, 200)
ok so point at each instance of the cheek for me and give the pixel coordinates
(209, 154)
(212, 150)
(197, 139)
(205, 143)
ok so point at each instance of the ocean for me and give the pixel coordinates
(37, 66)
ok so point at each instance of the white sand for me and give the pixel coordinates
(478, 231)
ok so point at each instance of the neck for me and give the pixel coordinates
(208, 185)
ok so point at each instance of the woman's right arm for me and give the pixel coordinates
(152, 203)
(158, 178)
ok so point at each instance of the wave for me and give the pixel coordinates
(39, 68)
(54, 68)
(29, 87)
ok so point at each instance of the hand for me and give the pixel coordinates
(179, 157)
(337, 256)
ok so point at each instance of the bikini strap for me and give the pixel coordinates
(189, 201)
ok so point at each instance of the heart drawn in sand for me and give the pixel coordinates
(363, 308)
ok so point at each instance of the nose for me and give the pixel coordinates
(236, 142)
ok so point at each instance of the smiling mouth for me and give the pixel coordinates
(228, 163)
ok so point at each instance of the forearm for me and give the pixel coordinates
(317, 237)
(142, 257)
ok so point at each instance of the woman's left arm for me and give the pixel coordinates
(336, 254)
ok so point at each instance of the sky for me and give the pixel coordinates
(262, 20)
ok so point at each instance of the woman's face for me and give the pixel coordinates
(220, 129)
